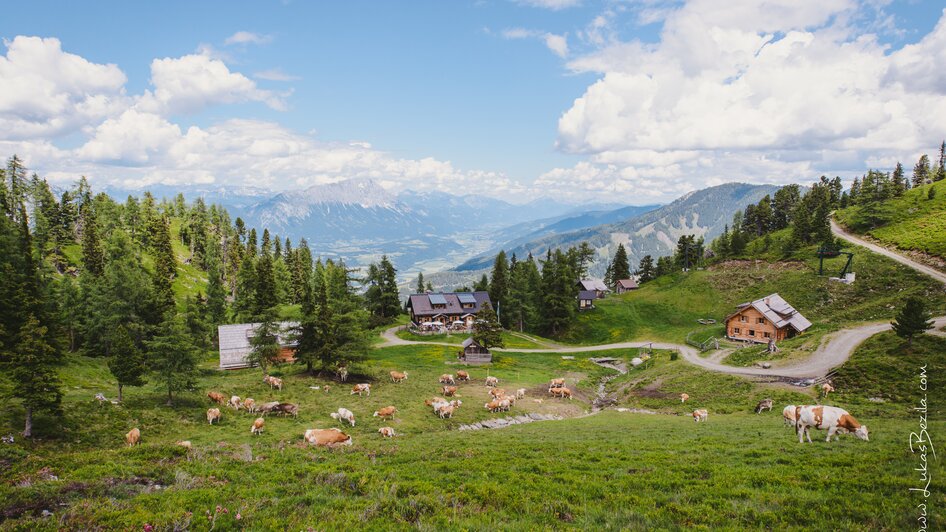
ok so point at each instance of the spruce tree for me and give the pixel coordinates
(646, 270)
(620, 267)
(244, 304)
(173, 357)
(940, 172)
(499, 284)
(912, 320)
(585, 255)
(420, 282)
(921, 171)
(487, 330)
(216, 297)
(899, 182)
(93, 258)
(389, 301)
(265, 290)
(165, 264)
(264, 345)
(127, 363)
(559, 293)
(32, 367)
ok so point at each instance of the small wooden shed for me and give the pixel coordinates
(474, 353)
(234, 343)
(625, 285)
(586, 299)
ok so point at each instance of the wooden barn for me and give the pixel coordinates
(625, 285)
(762, 320)
(474, 353)
(594, 285)
(234, 343)
(586, 299)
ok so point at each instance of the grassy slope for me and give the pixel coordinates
(510, 340)
(667, 308)
(912, 222)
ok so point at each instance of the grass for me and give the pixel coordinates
(911, 222)
(510, 340)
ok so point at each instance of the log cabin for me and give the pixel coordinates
(625, 285)
(586, 299)
(594, 285)
(456, 310)
(768, 318)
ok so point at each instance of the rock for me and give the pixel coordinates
(877, 399)
(636, 362)
(535, 416)
(523, 419)
(568, 358)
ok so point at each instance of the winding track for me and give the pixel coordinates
(834, 350)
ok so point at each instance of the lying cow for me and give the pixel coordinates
(361, 389)
(700, 415)
(386, 432)
(463, 376)
(397, 376)
(562, 392)
(835, 420)
(133, 437)
(344, 414)
(763, 405)
(257, 427)
(446, 378)
(386, 412)
(556, 383)
(327, 437)
(788, 414)
(684, 397)
(217, 397)
(213, 414)
(492, 381)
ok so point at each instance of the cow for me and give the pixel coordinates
(826, 388)
(344, 414)
(287, 408)
(435, 400)
(562, 392)
(342, 373)
(463, 376)
(520, 393)
(249, 404)
(556, 383)
(449, 391)
(684, 397)
(493, 406)
(386, 412)
(326, 437)
(133, 437)
(397, 376)
(445, 411)
(386, 432)
(235, 402)
(185, 444)
(213, 414)
(273, 382)
(446, 378)
(257, 427)
(267, 408)
(763, 405)
(700, 415)
(788, 414)
(492, 381)
(497, 392)
(217, 397)
(835, 420)
(361, 389)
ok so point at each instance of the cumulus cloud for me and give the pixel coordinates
(558, 44)
(247, 37)
(275, 74)
(743, 93)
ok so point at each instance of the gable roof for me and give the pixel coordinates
(422, 304)
(587, 294)
(593, 284)
(778, 311)
(627, 283)
(468, 342)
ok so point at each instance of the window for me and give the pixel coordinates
(760, 320)
(751, 332)
(767, 335)
(743, 319)
(735, 330)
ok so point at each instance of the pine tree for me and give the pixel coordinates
(173, 357)
(899, 182)
(32, 367)
(499, 285)
(646, 270)
(420, 282)
(913, 320)
(620, 266)
(487, 330)
(921, 171)
(127, 363)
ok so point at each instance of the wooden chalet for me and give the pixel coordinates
(234, 343)
(586, 299)
(594, 285)
(625, 285)
(473, 353)
(762, 320)
(450, 310)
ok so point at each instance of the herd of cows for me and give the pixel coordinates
(803, 417)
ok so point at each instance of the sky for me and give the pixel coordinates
(634, 101)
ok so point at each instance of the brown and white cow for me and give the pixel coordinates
(386, 412)
(497, 392)
(562, 392)
(213, 414)
(249, 404)
(447, 378)
(217, 397)
(273, 382)
(492, 381)
(235, 402)
(835, 420)
(826, 388)
(257, 427)
(133, 437)
(763, 405)
(445, 411)
(386, 432)
(788, 414)
(397, 376)
(449, 391)
(344, 414)
(463, 376)
(684, 397)
(359, 389)
(185, 444)
(494, 406)
(520, 393)
(556, 383)
(289, 409)
(267, 408)
(700, 415)
(327, 437)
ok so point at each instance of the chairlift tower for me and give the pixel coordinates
(830, 253)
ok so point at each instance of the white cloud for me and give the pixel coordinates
(275, 74)
(247, 37)
(557, 43)
(554, 5)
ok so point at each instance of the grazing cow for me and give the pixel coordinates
(361, 389)
(449, 391)
(257, 427)
(397, 376)
(562, 392)
(556, 383)
(456, 403)
(267, 408)
(217, 397)
(492, 381)
(446, 378)
(185, 444)
(835, 420)
(826, 388)
(435, 400)
(463, 376)
(497, 392)
(788, 414)
(445, 411)
(763, 405)
(133, 437)
(700, 415)
(386, 412)
(493, 406)
(287, 408)
(344, 414)
(273, 382)
(249, 404)
(684, 397)
(386, 432)
(520, 393)
(213, 414)
(327, 437)
(235, 402)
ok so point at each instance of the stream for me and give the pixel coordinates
(603, 399)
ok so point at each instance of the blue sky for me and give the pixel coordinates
(581, 100)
